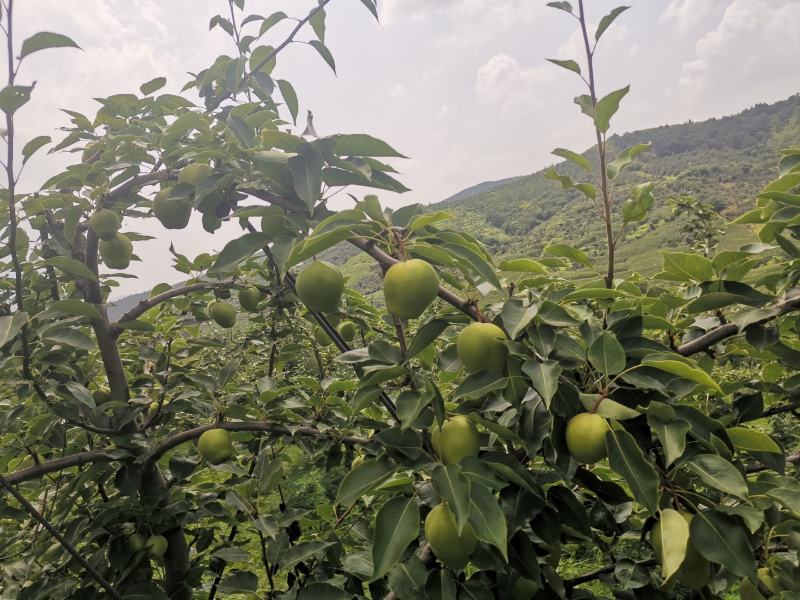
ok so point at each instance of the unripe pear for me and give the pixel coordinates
(457, 440)
(320, 286)
(156, 546)
(101, 396)
(524, 589)
(409, 287)
(116, 252)
(347, 330)
(215, 446)
(250, 297)
(586, 437)
(104, 223)
(223, 313)
(749, 591)
(452, 549)
(480, 346)
(194, 174)
(321, 337)
(174, 213)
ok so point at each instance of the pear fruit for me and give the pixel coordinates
(586, 437)
(320, 286)
(136, 542)
(749, 591)
(480, 346)
(101, 396)
(215, 446)
(156, 546)
(104, 223)
(194, 174)
(321, 337)
(250, 297)
(452, 549)
(409, 287)
(223, 313)
(116, 252)
(347, 330)
(457, 440)
(524, 589)
(174, 213)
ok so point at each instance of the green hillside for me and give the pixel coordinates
(723, 161)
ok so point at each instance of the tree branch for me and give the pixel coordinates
(144, 305)
(57, 464)
(704, 342)
(191, 434)
(64, 543)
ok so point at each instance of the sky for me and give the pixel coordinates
(461, 87)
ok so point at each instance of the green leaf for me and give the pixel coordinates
(607, 107)
(243, 132)
(522, 265)
(324, 53)
(70, 307)
(323, 591)
(627, 459)
(306, 171)
(426, 335)
(565, 6)
(32, 146)
(302, 552)
(487, 519)
(419, 221)
(636, 206)
(396, 526)
(608, 408)
(671, 434)
(606, 21)
(569, 65)
(363, 479)
(578, 159)
(544, 376)
(718, 474)
(477, 385)
(788, 497)
(317, 22)
(409, 405)
(271, 21)
(723, 539)
(267, 473)
(625, 158)
(153, 85)
(11, 325)
(606, 354)
(44, 40)
(71, 337)
(673, 531)
(71, 266)
(688, 267)
(361, 144)
(681, 369)
(569, 252)
(452, 487)
(236, 251)
(12, 97)
(751, 440)
(289, 97)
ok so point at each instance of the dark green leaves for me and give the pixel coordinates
(153, 85)
(687, 267)
(606, 354)
(32, 146)
(569, 65)
(10, 326)
(306, 170)
(71, 266)
(289, 97)
(361, 144)
(12, 97)
(236, 251)
(361, 480)
(719, 474)
(606, 21)
(396, 526)
(452, 487)
(487, 519)
(544, 376)
(723, 539)
(324, 53)
(44, 40)
(627, 459)
(607, 107)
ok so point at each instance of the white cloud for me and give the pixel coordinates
(687, 14)
(507, 85)
(492, 13)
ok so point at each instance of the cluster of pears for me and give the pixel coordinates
(175, 212)
(155, 545)
(586, 437)
(749, 590)
(215, 446)
(115, 248)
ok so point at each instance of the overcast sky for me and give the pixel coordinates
(460, 86)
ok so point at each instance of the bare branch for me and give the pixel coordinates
(144, 305)
(58, 464)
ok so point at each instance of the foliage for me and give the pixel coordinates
(335, 466)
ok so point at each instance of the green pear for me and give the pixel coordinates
(104, 223)
(321, 337)
(156, 546)
(116, 252)
(136, 542)
(409, 287)
(250, 297)
(174, 213)
(223, 313)
(586, 437)
(320, 286)
(215, 446)
(452, 549)
(101, 396)
(457, 440)
(194, 174)
(480, 346)
(524, 589)
(347, 330)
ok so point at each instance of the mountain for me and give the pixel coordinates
(724, 161)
